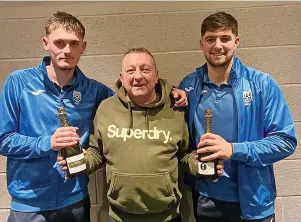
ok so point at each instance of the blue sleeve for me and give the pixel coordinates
(104, 92)
(182, 85)
(12, 143)
(280, 136)
(110, 92)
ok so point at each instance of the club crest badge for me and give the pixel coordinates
(77, 97)
(247, 96)
(188, 89)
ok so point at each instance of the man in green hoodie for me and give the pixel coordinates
(141, 138)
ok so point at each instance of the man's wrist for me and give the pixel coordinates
(232, 148)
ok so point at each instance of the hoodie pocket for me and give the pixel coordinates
(142, 193)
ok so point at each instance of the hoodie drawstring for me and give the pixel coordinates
(146, 119)
(130, 118)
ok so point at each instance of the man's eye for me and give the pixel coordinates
(225, 39)
(74, 43)
(59, 44)
(130, 71)
(146, 70)
(210, 40)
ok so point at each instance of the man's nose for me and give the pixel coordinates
(218, 43)
(67, 48)
(138, 74)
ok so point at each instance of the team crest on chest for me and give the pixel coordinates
(247, 96)
(77, 97)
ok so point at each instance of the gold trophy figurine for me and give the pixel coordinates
(74, 154)
(208, 169)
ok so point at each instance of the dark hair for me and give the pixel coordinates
(219, 21)
(140, 50)
(66, 21)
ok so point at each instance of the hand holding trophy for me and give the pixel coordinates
(66, 141)
(208, 169)
(212, 150)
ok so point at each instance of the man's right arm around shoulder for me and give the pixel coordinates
(94, 155)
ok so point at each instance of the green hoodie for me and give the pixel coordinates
(141, 147)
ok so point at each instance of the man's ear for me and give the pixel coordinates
(84, 46)
(157, 76)
(45, 43)
(237, 41)
(121, 78)
(201, 44)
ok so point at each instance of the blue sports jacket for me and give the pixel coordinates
(266, 133)
(29, 117)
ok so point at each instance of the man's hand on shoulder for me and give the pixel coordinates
(180, 97)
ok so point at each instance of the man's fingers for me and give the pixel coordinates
(67, 128)
(175, 93)
(209, 136)
(67, 139)
(210, 157)
(59, 146)
(208, 148)
(62, 162)
(220, 172)
(182, 102)
(220, 164)
(206, 142)
(68, 133)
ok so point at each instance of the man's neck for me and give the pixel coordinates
(219, 75)
(142, 101)
(59, 76)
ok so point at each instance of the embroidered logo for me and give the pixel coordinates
(204, 91)
(247, 95)
(188, 89)
(37, 92)
(77, 97)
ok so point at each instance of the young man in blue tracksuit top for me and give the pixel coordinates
(252, 128)
(31, 132)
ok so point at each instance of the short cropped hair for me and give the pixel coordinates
(140, 50)
(219, 21)
(66, 21)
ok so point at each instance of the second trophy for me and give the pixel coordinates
(208, 169)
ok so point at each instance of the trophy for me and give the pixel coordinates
(208, 168)
(74, 154)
